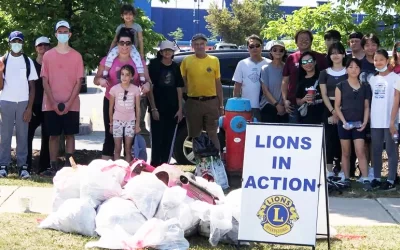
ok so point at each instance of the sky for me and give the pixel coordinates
(189, 4)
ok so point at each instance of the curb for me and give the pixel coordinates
(85, 127)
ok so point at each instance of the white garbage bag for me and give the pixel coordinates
(111, 238)
(146, 190)
(100, 182)
(174, 238)
(220, 223)
(121, 212)
(66, 185)
(233, 200)
(73, 216)
(213, 188)
(201, 210)
(117, 169)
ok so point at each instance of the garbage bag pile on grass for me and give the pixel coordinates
(132, 209)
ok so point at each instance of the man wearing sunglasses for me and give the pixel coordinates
(303, 39)
(42, 45)
(62, 70)
(247, 75)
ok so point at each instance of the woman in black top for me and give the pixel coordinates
(308, 78)
(328, 79)
(165, 100)
(352, 106)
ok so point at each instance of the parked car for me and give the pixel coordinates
(225, 46)
(228, 59)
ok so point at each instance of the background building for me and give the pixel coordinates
(189, 14)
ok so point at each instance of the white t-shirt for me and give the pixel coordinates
(382, 98)
(248, 74)
(16, 86)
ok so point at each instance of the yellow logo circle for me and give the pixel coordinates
(277, 215)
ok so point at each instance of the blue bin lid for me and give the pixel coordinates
(238, 104)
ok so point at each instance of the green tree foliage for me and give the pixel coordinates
(93, 24)
(270, 11)
(177, 34)
(382, 15)
(319, 20)
(235, 26)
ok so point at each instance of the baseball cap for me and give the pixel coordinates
(167, 45)
(199, 36)
(277, 43)
(42, 39)
(62, 24)
(15, 35)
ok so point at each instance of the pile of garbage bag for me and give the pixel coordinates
(133, 206)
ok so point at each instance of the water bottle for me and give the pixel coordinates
(396, 138)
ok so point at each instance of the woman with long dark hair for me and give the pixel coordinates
(165, 100)
(395, 61)
(328, 79)
(308, 95)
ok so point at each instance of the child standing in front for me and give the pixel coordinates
(128, 14)
(124, 112)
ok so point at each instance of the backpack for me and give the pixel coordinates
(27, 62)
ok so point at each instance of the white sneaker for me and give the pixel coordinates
(24, 174)
(3, 173)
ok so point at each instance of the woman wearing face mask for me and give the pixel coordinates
(328, 79)
(308, 94)
(383, 86)
(352, 107)
(165, 100)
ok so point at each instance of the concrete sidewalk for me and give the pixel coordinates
(343, 211)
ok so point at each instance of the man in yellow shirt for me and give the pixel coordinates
(201, 74)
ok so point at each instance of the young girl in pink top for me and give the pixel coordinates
(124, 109)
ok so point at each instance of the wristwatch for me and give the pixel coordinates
(276, 104)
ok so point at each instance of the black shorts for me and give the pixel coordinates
(351, 134)
(56, 124)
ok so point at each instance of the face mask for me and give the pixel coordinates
(382, 69)
(16, 47)
(62, 38)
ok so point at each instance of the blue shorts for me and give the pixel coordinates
(352, 134)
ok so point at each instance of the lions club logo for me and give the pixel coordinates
(209, 70)
(277, 215)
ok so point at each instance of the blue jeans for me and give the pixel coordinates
(294, 116)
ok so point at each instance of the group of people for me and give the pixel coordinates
(355, 96)
(42, 92)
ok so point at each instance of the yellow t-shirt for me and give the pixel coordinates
(201, 74)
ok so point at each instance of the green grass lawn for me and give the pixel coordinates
(19, 231)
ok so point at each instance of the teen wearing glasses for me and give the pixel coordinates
(124, 112)
(124, 41)
(305, 98)
(328, 79)
(352, 106)
(247, 75)
(272, 108)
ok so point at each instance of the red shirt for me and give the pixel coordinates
(291, 69)
(396, 69)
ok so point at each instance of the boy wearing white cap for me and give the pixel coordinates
(42, 45)
(62, 70)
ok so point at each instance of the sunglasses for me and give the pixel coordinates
(125, 94)
(43, 44)
(127, 43)
(278, 50)
(398, 49)
(304, 62)
(254, 46)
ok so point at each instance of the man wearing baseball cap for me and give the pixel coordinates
(42, 44)
(357, 50)
(202, 77)
(62, 70)
(16, 101)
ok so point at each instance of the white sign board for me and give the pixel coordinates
(281, 173)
